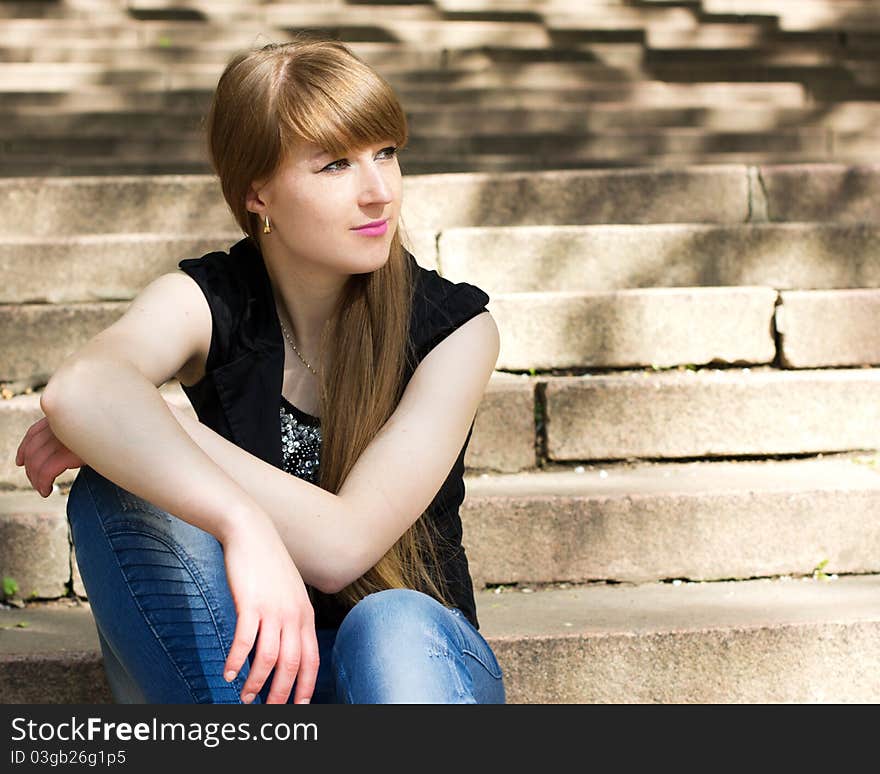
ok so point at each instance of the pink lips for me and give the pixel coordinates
(376, 228)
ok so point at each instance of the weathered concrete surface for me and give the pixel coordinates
(624, 328)
(94, 267)
(711, 413)
(116, 267)
(807, 192)
(55, 659)
(567, 258)
(829, 328)
(34, 547)
(39, 337)
(747, 642)
(647, 522)
(176, 204)
(766, 641)
(181, 204)
(709, 193)
(503, 437)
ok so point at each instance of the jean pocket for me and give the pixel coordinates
(475, 645)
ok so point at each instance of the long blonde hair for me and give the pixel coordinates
(316, 89)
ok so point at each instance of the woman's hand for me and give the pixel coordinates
(271, 600)
(44, 457)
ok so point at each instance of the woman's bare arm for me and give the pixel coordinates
(332, 538)
(112, 417)
(396, 476)
(116, 421)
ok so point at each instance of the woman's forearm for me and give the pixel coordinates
(116, 421)
(311, 521)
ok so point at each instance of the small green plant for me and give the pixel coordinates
(819, 571)
(10, 587)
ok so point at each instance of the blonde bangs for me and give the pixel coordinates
(338, 107)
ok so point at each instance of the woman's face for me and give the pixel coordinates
(316, 202)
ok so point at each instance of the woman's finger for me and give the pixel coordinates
(53, 466)
(33, 432)
(308, 665)
(34, 428)
(41, 448)
(242, 641)
(264, 660)
(287, 666)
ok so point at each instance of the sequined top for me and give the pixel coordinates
(300, 442)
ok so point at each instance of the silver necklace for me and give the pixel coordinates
(290, 341)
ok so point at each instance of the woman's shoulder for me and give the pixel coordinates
(229, 284)
(216, 266)
(440, 306)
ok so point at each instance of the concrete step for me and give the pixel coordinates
(854, 117)
(543, 330)
(848, 117)
(658, 327)
(615, 522)
(358, 23)
(748, 412)
(383, 55)
(506, 422)
(719, 194)
(548, 330)
(90, 268)
(49, 654)
(742, 35)
(638, 522)
(856, 15)
(97, 267)
(787, 641)
(73, 76)
(856, 152)
(753, 412)
(808, 341)
(638, 93)
(189, 145)
(527, 259)
(764, 641)
(182, 204)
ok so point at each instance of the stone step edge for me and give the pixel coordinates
(686, 643)
(498, 507)
(603, 609)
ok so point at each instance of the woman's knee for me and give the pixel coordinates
(391, 612)
(398, 646)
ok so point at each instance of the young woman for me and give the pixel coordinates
(301, 541)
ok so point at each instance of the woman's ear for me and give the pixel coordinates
(253, 201)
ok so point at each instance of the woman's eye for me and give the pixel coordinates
(339, 164)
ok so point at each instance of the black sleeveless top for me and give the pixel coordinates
(240, 395)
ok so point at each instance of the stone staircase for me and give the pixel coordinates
(94, 87)
(673, 479)
(674, 475)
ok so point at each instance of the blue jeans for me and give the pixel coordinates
(165, 617)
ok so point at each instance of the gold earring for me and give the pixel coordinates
(267, 229)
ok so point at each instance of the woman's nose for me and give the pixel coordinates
(375, 187)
